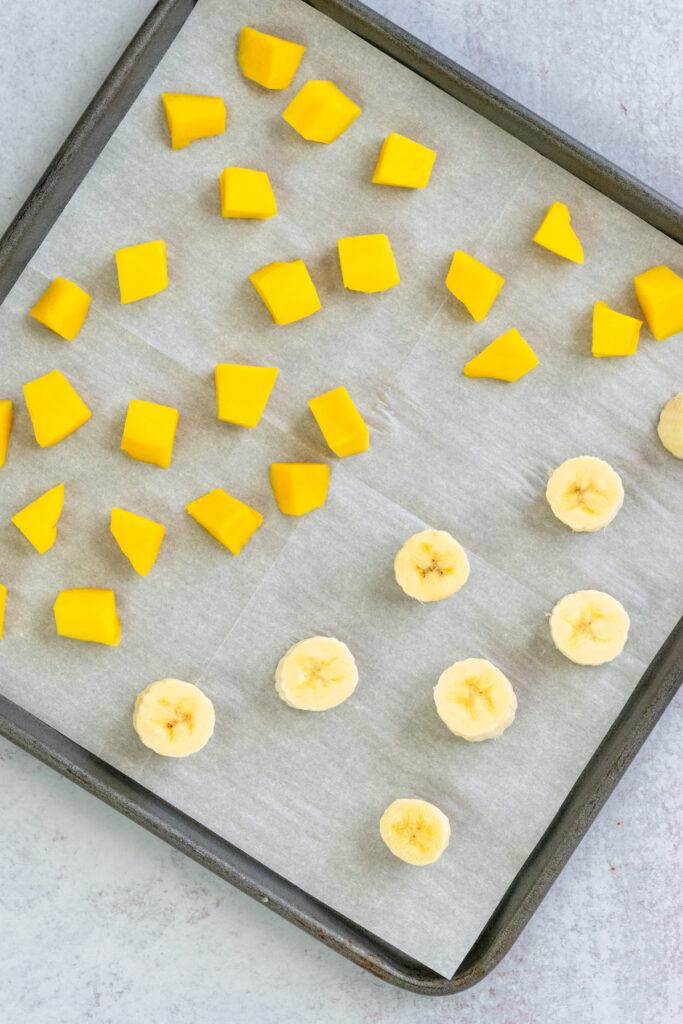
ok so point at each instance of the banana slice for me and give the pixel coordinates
(475, 700)
(316, 674)
(415, 830)
(431, 565)
(585, 493)
(173, 718)
(670, 428)
(589, 627)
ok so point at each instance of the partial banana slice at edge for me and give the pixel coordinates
(415, 831)
(316, 674)
(670, 427)
(585, 493)
(589, 627)
(475, 700)
(173, 718)
(431, 565)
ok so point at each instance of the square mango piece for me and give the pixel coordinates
(242, 392)
(614, 334)
(6, 420)
(246, 193)
(142, 270)
(367, 263)
(56, 410)
(88, 613)
(473, 283)
(62, 308)
(191, 117)
(342, 425)
(149, 432)
(268, 60)
(299, 487)
(557, 234)
(227, 519)
(287, 291)
(320, 112)
(403, 162)
(3, 601)
(660, 294)
(508, 358)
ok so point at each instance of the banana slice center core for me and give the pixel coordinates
(416, 833)
(471, 693)
(581, 496)
(183, 717)
(317, 673)
(589, 625)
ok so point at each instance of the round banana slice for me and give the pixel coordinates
(173, 718)
(670, 427)
(585, 493)
(415, 831)
(589, 627)
(316, 674)
(475, 700)
(431, 565)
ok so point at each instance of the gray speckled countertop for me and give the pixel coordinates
(100, 921)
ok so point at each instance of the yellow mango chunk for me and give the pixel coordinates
(6, 420)
(38, 521)
(55, 408)
(473, 283)
(614, 334)
(509, 357)
(246, 193)
(88, 613)
(268, 60)
(342, 425)
(299, 486)
(191, 117)
(149, 432)
(3, 601)
(320, 112)
(557, 234)
(139, 538)
(230, 521)
(403, 162)
(142, 270)
(287, 291)
(660, 294)
(367, 263)
(242, 392)
(62, 308)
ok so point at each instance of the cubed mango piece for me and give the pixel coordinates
(55, 408)
(6, 420)
(403, 162)
(557, 234)
(342, 425)
(138, 537)
(367, 263)
(614, 334)
(88, 613)
(227, 519)
(142, 270)
(149, 432)
(660, 294)
(62, 308)
(246, 193)
(286, 290)
(320, 112)
(3, 602)
(509, 357)
(242, 392)
(191, 117)
(38, 521)
(473, 283)
(268, 60)
(299, 487)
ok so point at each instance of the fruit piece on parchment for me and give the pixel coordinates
(589, 627)
(268, 60)
(508, 358)
(670, 427)
(227, 519)
(660, 294)
(138, 537)
(62, 307)
(299, 487)
(473, 283)
(191, 117)
(173, 718)
(88, 613)
(415, 831)
(585, 493)
(55, 408)
(614, 334)
(6, 420)
(431, 565)
(557, 234)
(475, 700)
(342, 425)
(38, 521)
(320, 112)
(316, 674)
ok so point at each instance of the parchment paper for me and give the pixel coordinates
(304, 792)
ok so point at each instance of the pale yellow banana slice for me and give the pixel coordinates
(173, 718)
(415, 830)
(670, 428)
(316, 674)
(475, 700)
(585, 493)
(431, 565)
(589, 627)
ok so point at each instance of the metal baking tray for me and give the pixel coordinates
(649, 699)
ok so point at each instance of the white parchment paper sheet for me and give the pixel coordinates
(304, 792)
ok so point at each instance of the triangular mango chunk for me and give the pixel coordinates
(509, 357)
(139, 538)
(38, 521)
(557, 234)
